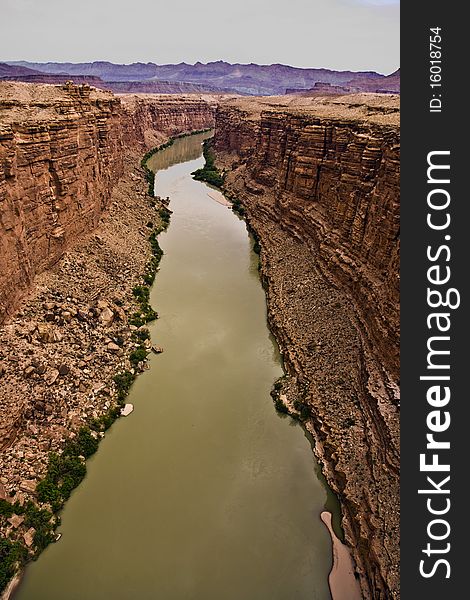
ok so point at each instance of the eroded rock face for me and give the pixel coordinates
(319, 180)
(150, 119)
(58, 162)
(61, 153)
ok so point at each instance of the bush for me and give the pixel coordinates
(141, 335)
(280, 406)
(6, 509)
(44, 524)
(349, 422)
(108, 418)
(87, 444)
(149, 278)
(47, 491)
(165, 215)
(303, 410)
(123, 383)
(209, 172)
(237, 207)
(64, 473)
(12, 556)
(209, 176)
(141, 292)
(138, 355)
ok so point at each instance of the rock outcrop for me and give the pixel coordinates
(319, 182)
(61, 153)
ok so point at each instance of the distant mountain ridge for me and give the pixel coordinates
(389, 84)
(251, 78)
(147, 86)
(15, 70)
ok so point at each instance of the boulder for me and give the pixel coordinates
(106, 316)
(64, 370)
(45, 333)
(127, 409)
(28, 485)
(3, 492)
(51, 376)
(29, 371)
(29, 537)
(16, 520)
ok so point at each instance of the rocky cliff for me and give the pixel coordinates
(148, 119)
(319, 181)
(61, 153)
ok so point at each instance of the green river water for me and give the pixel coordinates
(204, 492)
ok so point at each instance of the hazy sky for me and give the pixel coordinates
(339, 34)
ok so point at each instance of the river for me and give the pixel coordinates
(204, 492)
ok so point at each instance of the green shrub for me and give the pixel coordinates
(280, 406)
(86, 443)
(12, 556)
(141, 292)
(303, 410)
(64, 473)
(44, 524)
(138, 355)
(6, 509)
(165, 215)
(141, 335)
(123, 383)
(108, 418)
(237, 207)
(209, 172)
(149, 278)
(209, 176)
(47, 491)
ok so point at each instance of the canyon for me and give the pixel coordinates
(318, 179)
(61, 153)
(76, 220)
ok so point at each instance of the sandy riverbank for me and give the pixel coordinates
(219, 197)
(11, 587)
(343, 584)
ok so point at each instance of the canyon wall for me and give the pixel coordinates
(148, 119)
(319, 182)
(61, 153)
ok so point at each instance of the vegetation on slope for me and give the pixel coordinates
(209, 172)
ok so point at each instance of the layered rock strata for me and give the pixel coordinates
(146, 117)
(319, 181)
(61, 153)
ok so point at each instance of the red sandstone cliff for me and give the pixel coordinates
(319, 180)
(148, 119)
(61, 153)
